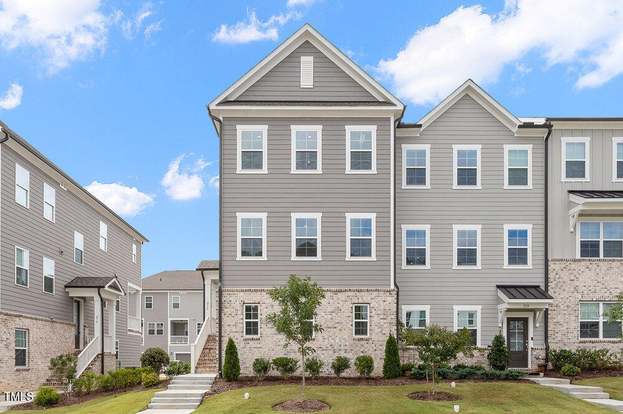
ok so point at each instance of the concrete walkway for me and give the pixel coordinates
(183, 395)
(595, 395)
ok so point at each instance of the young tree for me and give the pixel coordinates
(231, 366)
(391, 363)
(437, 346)
(298, 301)
(615, 312)
(498, 354)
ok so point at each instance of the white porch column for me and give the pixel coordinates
(112, 322)
(98, 320)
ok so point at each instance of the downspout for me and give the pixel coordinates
(99, 293)
(546, 242)
(396, 123)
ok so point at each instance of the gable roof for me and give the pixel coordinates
(173, 280)
(307, 33)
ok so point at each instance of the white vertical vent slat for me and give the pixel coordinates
(307, 71)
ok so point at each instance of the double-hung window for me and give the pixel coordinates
(22, 266)
(575, 159)
(175, 301)
(22, 186)
(21, 348)
(416, 246)
(468, 317)
(149, 302)
(48, 275)
(103, 236)
(306, 229)
(361, 319)
(306, 148)
(251, 236)
(600, 239)
(466, 160)
(155, 328)
(49, 202)
(252, 320)
(415, 317)
(361, 149)
(617, 159)
(134, 251)
(360, 236)
(466, 246)
(252, 148)
(416, 166)
(595, 321)
(78, 248)
(517, 245)
(159, 328)
(517, 166)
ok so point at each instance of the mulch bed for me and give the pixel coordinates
(302, 406)
(438, 396)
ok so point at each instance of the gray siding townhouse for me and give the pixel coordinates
(175, 305)
(70, 272)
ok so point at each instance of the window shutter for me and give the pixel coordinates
(307, 71)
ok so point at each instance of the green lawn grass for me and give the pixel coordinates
(478, 398)
(611, 385)
(126, 403)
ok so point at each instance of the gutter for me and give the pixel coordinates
(99, 293)
(546, 241)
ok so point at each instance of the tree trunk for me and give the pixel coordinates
(434, 376)
(303, 369)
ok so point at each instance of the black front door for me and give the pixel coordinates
(78, 323)
(517, 341)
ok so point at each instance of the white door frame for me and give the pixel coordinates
(530, 315)
(81, 316)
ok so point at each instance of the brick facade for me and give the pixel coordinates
(47, 339)
(575, 280)
(335, 315)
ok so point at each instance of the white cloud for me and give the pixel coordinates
(12, 98)
(253, 29)
(214, 182)
(469, 43)
(302, 3)
(124, 200)
(184, 183)
(132, 26)
(152, 28)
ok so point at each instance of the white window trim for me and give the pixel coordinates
(76, 233)
(176, 299)
(469, 308)
(17, 165)
(103, 235)
(27, 348)
(602, 319)
(134, 253)
(361, 215)
(351, 128)
(507, 148)
(239, 217)
(587, 160)
(455, 149)
(455, 229)
(601, 221)
(170, 331)
(155, 324)
(52, 204)
(117, 305)
(527, 227)
(415, 308)
(318, 217)
(405, 148)
(406, 227)
(367, 305)
(244, 321)
(615, 142)
(51, 276)
(264, 130)
(297, 128)
(27, 259)
(145, 302)
(307, 83)
(198, 326)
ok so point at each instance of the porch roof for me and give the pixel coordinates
(521, 293)
(110, 283)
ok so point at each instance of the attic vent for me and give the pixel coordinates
(307, 71)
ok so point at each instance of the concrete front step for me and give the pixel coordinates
(179, 394)
(614, 404)
(194, 400)
(161, 411)
(182, 380)
(590, 395)
(200, 387)
(549, 381)
(571, 388)
(172, 406)
(194, 382)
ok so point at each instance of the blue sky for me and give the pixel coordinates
(115, 91)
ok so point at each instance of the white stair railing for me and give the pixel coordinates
(87, 356)
(197, 347)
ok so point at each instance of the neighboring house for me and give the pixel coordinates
(70, 270)
(450, 221)
(174, 308)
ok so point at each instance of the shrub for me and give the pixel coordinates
(364, 365)
(585, 359)
(560, 358)
(498, 354)
(150, 379)
(570, 371)
(231, 367)
(285, 365)
(466, 372)
(406, 368)
(87, 383)
(177, 368)
(155, 358)
(261, 367)
(391, 363)
(64, 367)
(313, 366)
(105, 383)
(339, 365)
(46, 397)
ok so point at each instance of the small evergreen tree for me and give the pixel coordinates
(391, 363)
(231, 367)
(498, 354)
(155, 358)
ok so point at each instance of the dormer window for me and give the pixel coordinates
(307, 71)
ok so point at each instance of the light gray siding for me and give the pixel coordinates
(29, 229)
(282, 83)
(441, 287)
(159, 313)
(332, 193)
(563, 242)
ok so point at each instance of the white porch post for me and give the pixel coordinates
(98, 320)
(112, 322)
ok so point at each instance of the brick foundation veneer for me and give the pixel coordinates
(575, 280)
(335, 315)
